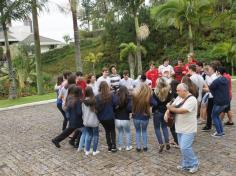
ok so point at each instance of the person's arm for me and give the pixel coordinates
(172, 72)
(177, 110)
(213, 86)
(189, 106)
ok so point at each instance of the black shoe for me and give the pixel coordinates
(109, 149)
(229, 123)
(167, 146)
(161, 148)
(114, 150)
(72, 142)
(205, 129)
(145, 149)
(138, 149)
(76, 145)
(56, 143)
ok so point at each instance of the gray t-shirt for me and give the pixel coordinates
(199, 82)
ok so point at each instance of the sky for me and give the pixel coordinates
(55, 24)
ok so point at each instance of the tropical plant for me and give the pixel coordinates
(227, 50)
(12, 10)
(67, 38)
(93, 58)
(129, 50)
(25, 68)
(181, 14)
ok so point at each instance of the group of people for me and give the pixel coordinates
(177, 97)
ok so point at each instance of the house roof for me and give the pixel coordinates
(43, 40)
(10, 37)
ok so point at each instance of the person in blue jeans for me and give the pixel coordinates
(185, 109)
(221, 100)
(142, 101)
(162, 96)
(122, 120)
(90, 121)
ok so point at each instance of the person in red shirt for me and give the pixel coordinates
(152, 74)
(191, 61)
(179, 68)
(228, 109)
(80, 82)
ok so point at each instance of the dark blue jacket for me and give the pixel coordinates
(143, 116)
(122, 113)
(106, 111)
(160, 105)
(220, 91)
(75, 115)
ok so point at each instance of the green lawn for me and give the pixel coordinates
(24, 100)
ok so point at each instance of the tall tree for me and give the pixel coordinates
(34, 6)
(12, 10)
(86, 13)
(132, 7)
(74, 7)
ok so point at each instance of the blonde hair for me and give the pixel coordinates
(141, 99)
(162, 89)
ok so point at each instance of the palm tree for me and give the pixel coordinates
(74, 11)
(93, 58)
(181, 13)
(227, 50)
(34, 6)
(12, 10)
(129, 50)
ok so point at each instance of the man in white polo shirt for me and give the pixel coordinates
(186, 126)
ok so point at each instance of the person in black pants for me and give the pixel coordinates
(74, 109)
(173, 86)
(105, 105)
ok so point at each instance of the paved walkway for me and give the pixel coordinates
(26, 149)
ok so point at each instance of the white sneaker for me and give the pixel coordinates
(128, 148)
(193, 169)
(95, 153)
(179, 167)
(119, 148)
(87, 153)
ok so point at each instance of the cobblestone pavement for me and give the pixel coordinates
(26, 149)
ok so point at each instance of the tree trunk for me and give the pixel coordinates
(139, 59)
(190, 34)
(93, 68)
(37, 48)
(78, 61)
(11, 73)
(131, 65)
(232, 67)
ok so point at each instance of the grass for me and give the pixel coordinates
(25, 100)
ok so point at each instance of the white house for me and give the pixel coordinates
(24, 34)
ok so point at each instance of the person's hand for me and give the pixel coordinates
(168, 105)
(166, 115)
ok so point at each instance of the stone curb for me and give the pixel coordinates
(28, 104)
